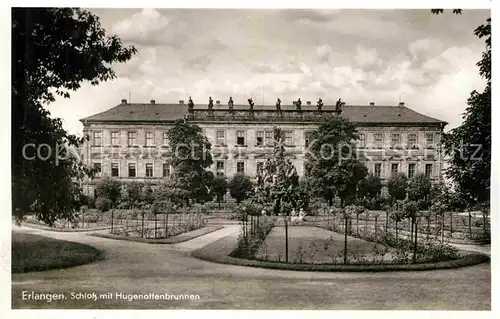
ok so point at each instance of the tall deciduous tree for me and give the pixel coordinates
(419, 191)
(397, 187)
(219, 188)
(331, 163)
(240, 187)
(369, 187)
(134, 193)
(109, 188)
(469, 145)
(190, 159)
(278, 185)
(54, 51)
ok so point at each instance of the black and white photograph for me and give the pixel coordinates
(250, 159)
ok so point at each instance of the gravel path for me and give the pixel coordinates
(141, 268)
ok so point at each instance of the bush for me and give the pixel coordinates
(103, 204)
(248, 245)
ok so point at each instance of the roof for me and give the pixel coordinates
(140, 112)
(146, 112)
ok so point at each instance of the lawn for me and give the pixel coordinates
(37, 253)
(316, 245)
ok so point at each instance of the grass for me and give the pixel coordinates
(170, 240)
(218, 252)
(37, 253)
(314, 245)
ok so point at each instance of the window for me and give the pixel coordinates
(132, 138)
(288, 137)
(377, 169)
(165, 139)
(260, 166)
(220, 169)
(307, 138)
(411, 170)
(394, 169)
(412, 140)
(221, 140)
(269, 137)
(378, 140)
(396, 139)
(437, 137)
(97, 166)
(240, 138)
(114, 169)
(166, 169)
(131, 170)
(97, 138)
(260, 138)
(240, 167)
(362, 141)
(115, 138)
(149, 169)
(428, 170)
(149, 139)
(429, 139)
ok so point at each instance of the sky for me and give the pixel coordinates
(361, 56)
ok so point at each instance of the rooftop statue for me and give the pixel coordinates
(230, 103)
(338, 106)
(210, 103)
(319, 104)
(278, 104)
(251, 103)
(190, 105)
(298, 104)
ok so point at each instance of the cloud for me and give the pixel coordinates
(215, 45)
(201, 63)
(422, 49)
(324, 53)
(150, 28)
(310, 15)
(264, 68)
(366, 57)
(290, 54)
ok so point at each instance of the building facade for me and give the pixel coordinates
(129, 141)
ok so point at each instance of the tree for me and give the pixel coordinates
(469, 145)
(54, 51)
(112, 190)
(369, 187)
(395, 211)
(419, 189)
(109, 188)
(331, 163)
(190, 159)
(411, 211)
(240, 187)
(148, 195)
(397, 187)
(219, 188)
(278, 185)
(134, 193)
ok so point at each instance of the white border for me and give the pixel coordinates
(5, 235)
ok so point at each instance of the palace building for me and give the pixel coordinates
(129, 141)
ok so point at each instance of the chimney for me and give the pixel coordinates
(308, 103)
(153, 102)
(217, 103)
(401, 104)
(124, 101)
(372, 103)
(181, 102)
